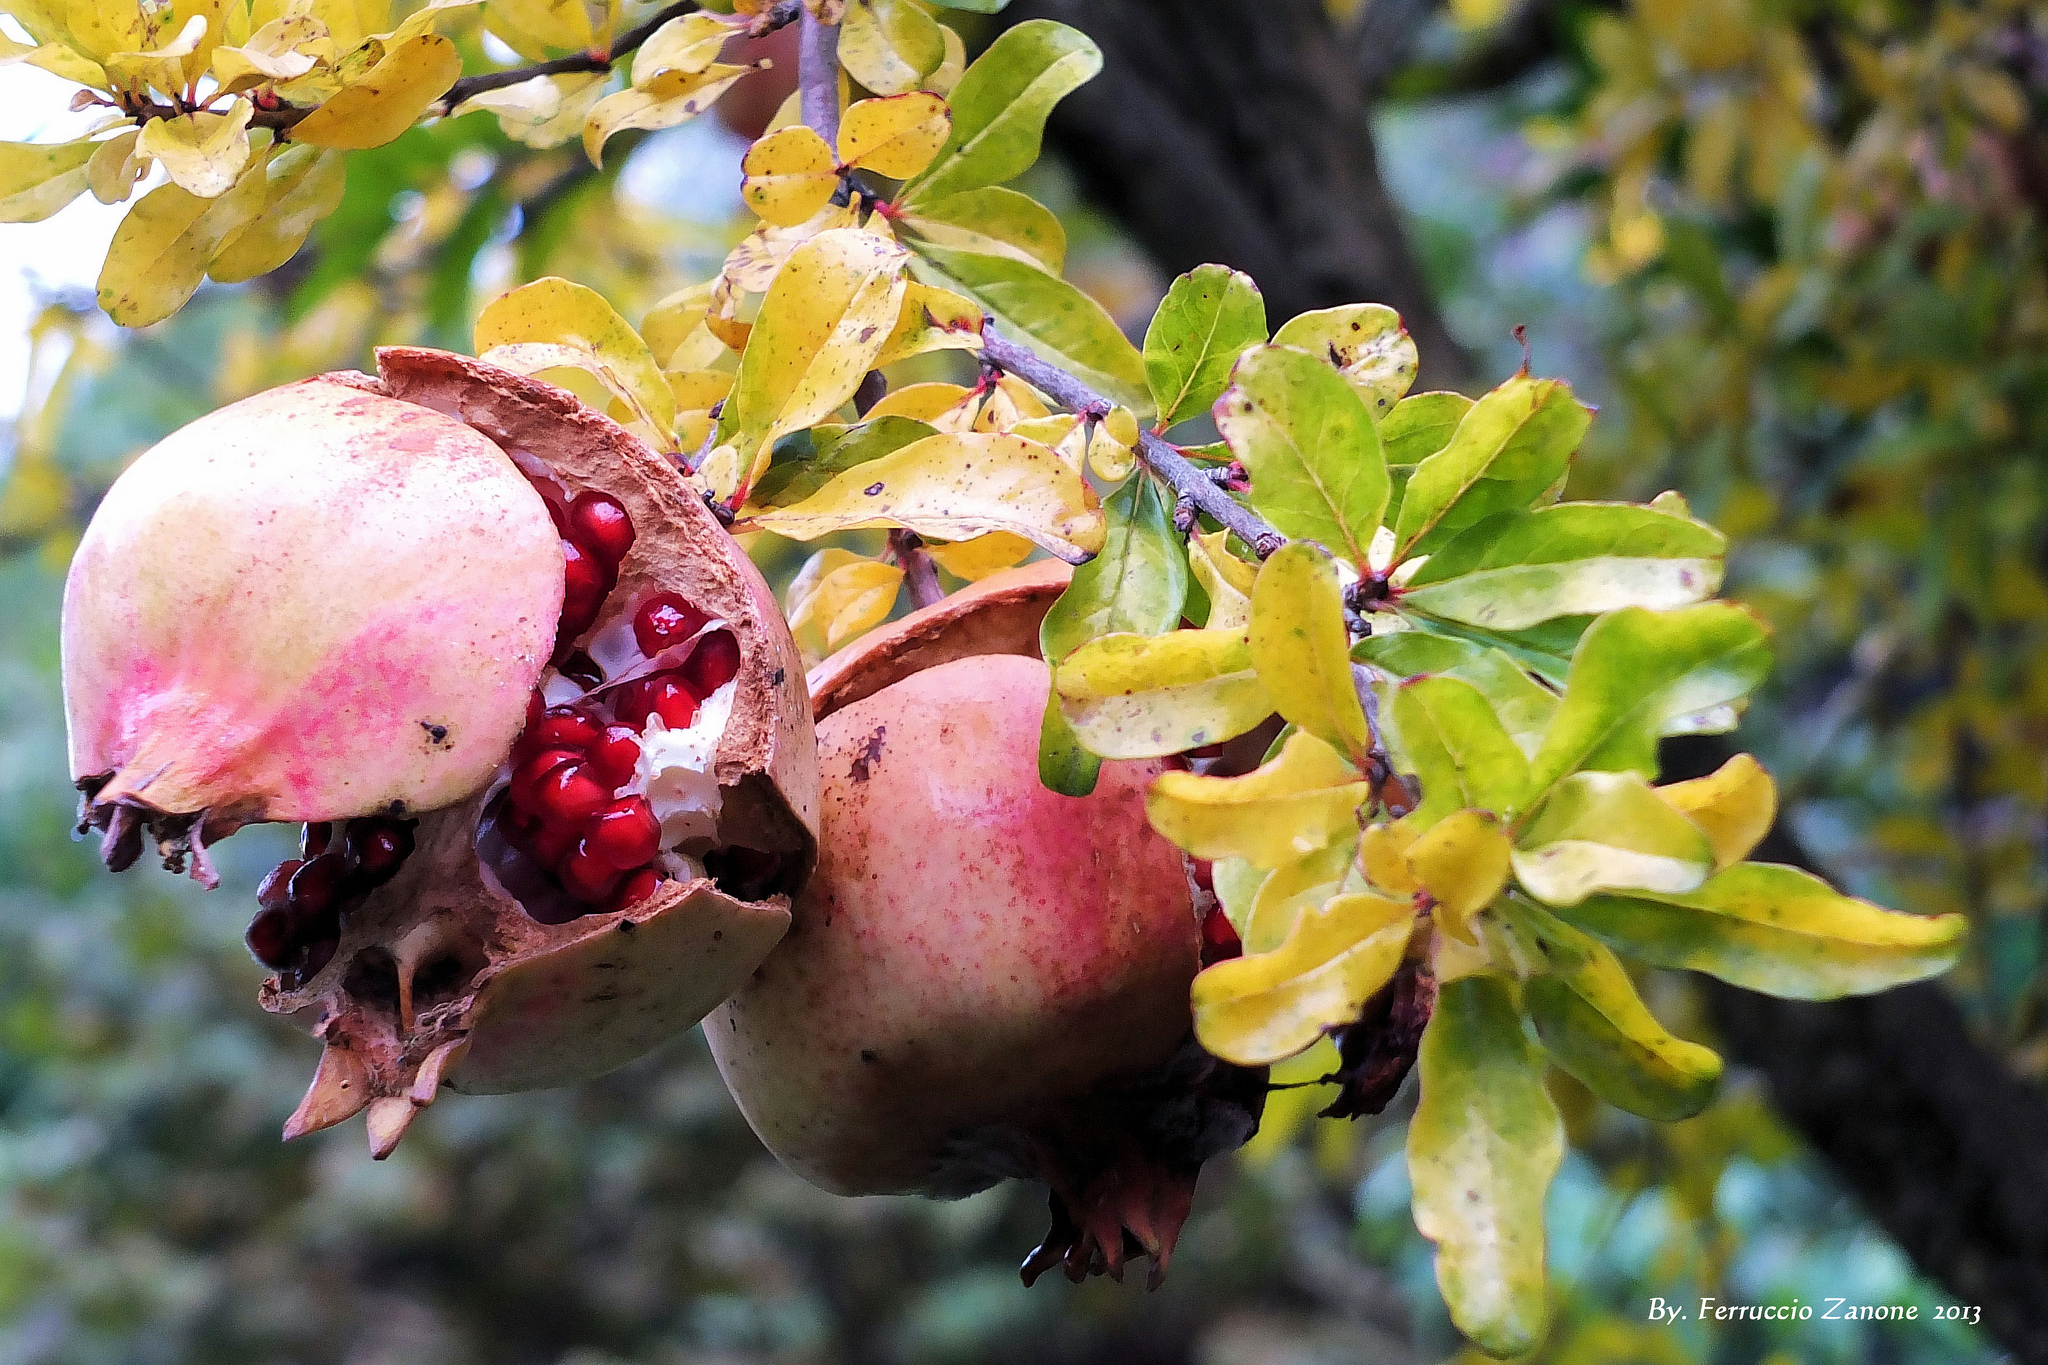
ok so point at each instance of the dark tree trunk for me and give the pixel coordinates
(1236, 131)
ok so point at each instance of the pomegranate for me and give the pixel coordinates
(539, 714)
(984, 979)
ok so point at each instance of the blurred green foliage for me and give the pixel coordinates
(1817, 276)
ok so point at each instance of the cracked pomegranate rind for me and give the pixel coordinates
(985, 979)
(231, 586)
(605, 872)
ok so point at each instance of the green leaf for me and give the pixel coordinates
(1594, 1025)
(992, 221)
(1444, 733)
(1064, 765)
(1135, 585)
(1310, 446)
(1609, 832)
(1001, 104)
(1209, 317)
(1237, 885)
(1509, 449)
(1265, 1007)
(1517, 569)
(1482, 1148)
(805, 461)
(1420, 425)
(1365, 342)
(37, 179)
(1139, 696)
(1636, 674)
(1778, 930)
(1523, 705)
(1055, 319)
(1545, 650)
(1301, 648)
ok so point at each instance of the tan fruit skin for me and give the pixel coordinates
(972, 950)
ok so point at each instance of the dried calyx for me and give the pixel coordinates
(538, 712)
(985, 979)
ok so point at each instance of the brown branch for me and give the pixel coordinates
(1159, 455)
(818, 77)
(920, 574)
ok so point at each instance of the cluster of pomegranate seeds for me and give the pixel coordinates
(299, 923)
(596, 533)
(561, 812)
(674, 694)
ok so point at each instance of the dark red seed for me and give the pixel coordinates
(665, 619)
(375, 849)
(564, 727)
(1203, 873)
(531, 772)
(637, 887)
(599, 523)
(579, 668)
(585, 581)
(549, 844)
(536, 707)
(674, 702)
(319, 953)
(316, 887)
(568, 796)
(314, 838)
(270, 937)
(587, 876)
(518, 826)
(1219, 938)
(625, 833)
(616, 754)
(272, 891)
(633, 703)
(713, 664)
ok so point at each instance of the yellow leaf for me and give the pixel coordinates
(699, 390)
(976, 559)
(282, 50)
(1462, 861)
(1225, 578)
(689, 43)
(538, 28)
(1383, 853)
(204, 154)
(824, 321)
(160, 251)
(546, 111)
(952, 487)
(36, 179)
(1302, 649)
(897, 135)
(387, 100)
(1367, 344)
(115, 167)
(670, 98)
(1011, 401)
(1734, 805)
(303, 185)
(1300, 801)
(889, 46)
(952, 67)
(1290, 889)
(1253, 1011)
(554, 322)
(161, 68)
(100, 29)
(788, 176)
(838, 595)
(1145, 696)
(931, 319)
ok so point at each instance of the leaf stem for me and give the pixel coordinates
(1159, 454)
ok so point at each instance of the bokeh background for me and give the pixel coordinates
(1795, 253)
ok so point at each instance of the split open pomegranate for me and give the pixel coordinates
(984, 979)
(540, 716)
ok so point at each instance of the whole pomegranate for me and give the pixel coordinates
(984, 979)
(543, 724)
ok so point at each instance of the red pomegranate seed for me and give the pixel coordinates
(675, 703)
(625, 833)
(587, 876)
(375, 849)
(713, 664)
(316, 887)
(319, 953)
(665, 619)
(556, 512)
(313, 839)
(517, 826)
(549, 844)
(568, 796)
(270, 937)
(599, 523)
(536, 707)
(562, 727)
(527, 777)
(271, 892)
(585, 581)
(615, 755)
(637, 887)
(1219, 937)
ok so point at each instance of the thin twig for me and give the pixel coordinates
(1158, 453)
(920, 574)
(817, 76)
